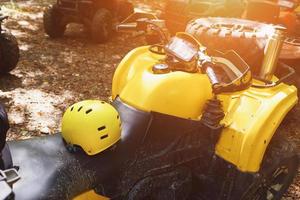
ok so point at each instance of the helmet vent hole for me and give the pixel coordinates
(72, 108)
(102, 102)
(80, 108)
(88, 111)
(101, 128)
(118, 116)
(104, 136)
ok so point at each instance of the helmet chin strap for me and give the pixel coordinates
(72, 148)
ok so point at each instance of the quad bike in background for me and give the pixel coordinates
(9, 49)
(98, 16)
(282, 12)
(183, 124)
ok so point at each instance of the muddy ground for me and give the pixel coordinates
(54, 73)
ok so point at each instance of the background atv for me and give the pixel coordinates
(9, 49)
(98, 16)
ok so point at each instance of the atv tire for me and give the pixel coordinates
(247, 38)
(9, 52)
(102, 24)
(277, 172)
(53, 22)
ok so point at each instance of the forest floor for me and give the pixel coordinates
(54, 73)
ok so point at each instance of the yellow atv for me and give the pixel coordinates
(184, 124)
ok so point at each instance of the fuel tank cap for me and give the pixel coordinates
(161, 68)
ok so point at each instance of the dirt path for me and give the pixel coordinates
(53, 74)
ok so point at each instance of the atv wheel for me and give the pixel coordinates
(53, 22)
(247, 38)
(9, 52)
(102, 24)
(279, 167)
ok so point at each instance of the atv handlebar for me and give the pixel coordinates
(211, 73)
(128, 27)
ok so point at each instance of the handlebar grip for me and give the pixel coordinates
(211, 74)
(128, 27)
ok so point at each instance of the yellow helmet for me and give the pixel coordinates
(93, 125)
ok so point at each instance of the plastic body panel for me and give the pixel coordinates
(251, 120)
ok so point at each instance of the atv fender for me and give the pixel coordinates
(251, 120)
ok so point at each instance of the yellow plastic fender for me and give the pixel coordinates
(251, 120)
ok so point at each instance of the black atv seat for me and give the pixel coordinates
(49, 172)
(42, 163)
